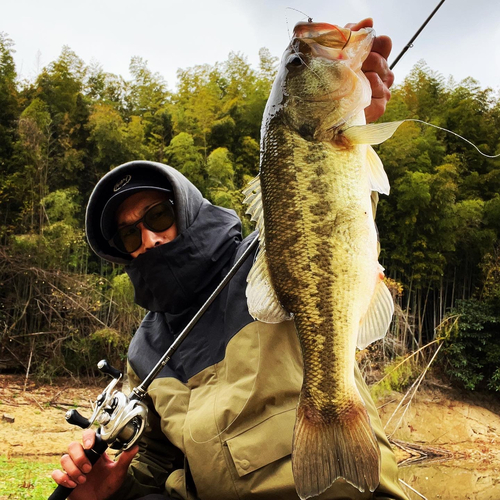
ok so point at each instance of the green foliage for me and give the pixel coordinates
(472, 347)
(9, 100)
(220, 169)
(490, 267)
(82, 353)
(185, 157)
(62, 206)
(26, 479)
(62, 132)
(123, 292)
(397, 375)
(114, 140)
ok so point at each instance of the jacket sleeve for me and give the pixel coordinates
(156, 460)
(389, 487)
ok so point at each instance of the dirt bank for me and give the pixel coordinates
(39, 428)
(446, 420)
(458, 437)
(463, 429)
(467, 426)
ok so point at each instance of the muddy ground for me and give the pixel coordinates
(39, 428)
(459, 432)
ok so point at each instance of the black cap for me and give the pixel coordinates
(126, 186)
(116, 186)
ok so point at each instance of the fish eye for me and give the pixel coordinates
(295, 60)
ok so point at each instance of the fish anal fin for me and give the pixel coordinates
(324, 451)
(373, 133)
(376, 321)
(378, 178)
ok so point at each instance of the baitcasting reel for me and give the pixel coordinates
(121, 419)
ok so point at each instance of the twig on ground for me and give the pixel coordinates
(54, 399)
(29, 366)
(39, 405)
(415, 385)
(385, 404)
(413, 489)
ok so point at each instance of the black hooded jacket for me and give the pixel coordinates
(172, 281)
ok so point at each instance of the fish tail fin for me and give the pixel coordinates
(324, 451)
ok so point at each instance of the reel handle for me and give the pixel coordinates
(94, 454)
(74, 418)
(105, 367)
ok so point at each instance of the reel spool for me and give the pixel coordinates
(121, 419)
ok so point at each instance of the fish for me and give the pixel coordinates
(313, 202)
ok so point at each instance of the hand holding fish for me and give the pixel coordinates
(376, 69)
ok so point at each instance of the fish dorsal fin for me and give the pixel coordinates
(263, 304)
(373, 133)
(377, 319)
(378, 177)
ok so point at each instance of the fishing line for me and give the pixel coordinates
(457, 135)
(451, 132)
(286, 20)
(309, 18)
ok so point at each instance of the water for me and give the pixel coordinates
(453, 480)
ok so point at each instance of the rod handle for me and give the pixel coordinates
(94, 454)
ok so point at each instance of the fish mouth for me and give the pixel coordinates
(323, 33)
(305, 53)
(332, 42)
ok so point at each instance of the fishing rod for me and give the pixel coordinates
(409, 45)
(122, 418)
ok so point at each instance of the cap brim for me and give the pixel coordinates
(108, 217)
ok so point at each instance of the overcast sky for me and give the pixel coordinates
(463, 38)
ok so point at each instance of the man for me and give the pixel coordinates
(222, 412)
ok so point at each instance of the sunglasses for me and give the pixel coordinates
(158, 218)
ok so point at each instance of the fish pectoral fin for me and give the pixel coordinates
(378, 178)
(377, 319)
(372, 133)
(263, 303)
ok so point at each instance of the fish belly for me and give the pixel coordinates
(321, 249)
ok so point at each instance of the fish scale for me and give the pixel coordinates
(317, 245)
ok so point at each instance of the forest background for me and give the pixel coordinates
(62, 308)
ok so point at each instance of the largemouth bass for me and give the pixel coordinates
(318, 261)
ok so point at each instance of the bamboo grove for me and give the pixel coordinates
(62, 309)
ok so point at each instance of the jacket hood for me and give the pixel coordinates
(188, 201)
(175, 277)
